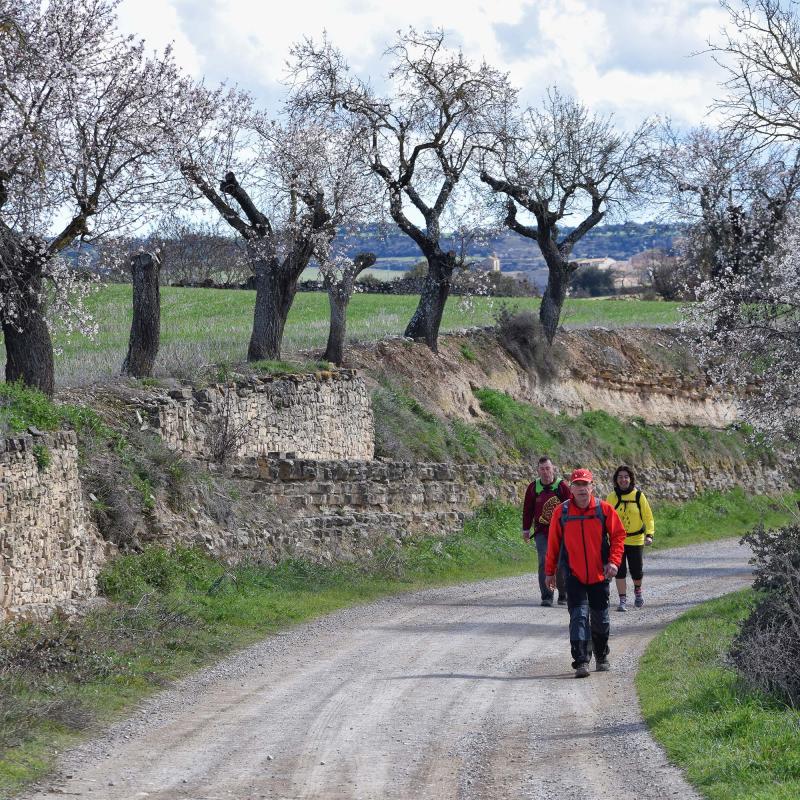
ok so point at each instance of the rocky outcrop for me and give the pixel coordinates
(642, 373)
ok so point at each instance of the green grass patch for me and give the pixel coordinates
(714, 515)
(210, 326)
(733, 744)
(22, 407)
(405, 430)
(596, 436)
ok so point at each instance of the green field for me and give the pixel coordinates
(208, 326)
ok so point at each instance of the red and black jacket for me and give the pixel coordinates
(537, 509)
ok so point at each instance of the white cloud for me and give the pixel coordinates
(158, 23)
(624, 56)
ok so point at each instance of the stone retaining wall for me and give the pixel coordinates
(50, 551)
(325, 415)
(342, 509)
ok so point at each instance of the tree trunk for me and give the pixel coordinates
(29, 349)
(553, 298)
(339, 298)
(428, 316)
(275, 290)
(146, 325)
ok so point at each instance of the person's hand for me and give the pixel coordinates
(648, 539)
(610, 570)
(526, 535)
(550, 582)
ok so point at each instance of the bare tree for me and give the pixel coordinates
(146, 324)
(80, 113)
(736, 192)
(421, 139)
(196, 252)
(339, 279)
(558, 161)
(285, 188)
(760, 52)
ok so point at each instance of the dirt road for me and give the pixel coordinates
(464, 692)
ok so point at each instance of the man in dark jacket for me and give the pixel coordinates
(541, 497)
(593, 538)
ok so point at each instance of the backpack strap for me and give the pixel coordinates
(539, 487)
(638, 500)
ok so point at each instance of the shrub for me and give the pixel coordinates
(42, 456)
(767, 650)
(522, 337)
(592, 281)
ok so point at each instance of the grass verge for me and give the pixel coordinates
(732, 744)
(717, 515)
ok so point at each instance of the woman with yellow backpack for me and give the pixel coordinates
(637, 517)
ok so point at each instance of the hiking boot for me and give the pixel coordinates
(623, 604)
(547, 602)
(602, 665)
(582, 671)
(639, 600)
(562, 599)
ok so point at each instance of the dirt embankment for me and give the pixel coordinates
(646, 373)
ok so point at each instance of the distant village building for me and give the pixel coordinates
(489, 264)
(599, 263)
(630, 274)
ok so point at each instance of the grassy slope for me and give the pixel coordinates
(201, 326)
(733, 744)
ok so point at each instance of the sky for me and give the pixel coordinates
(630, 58)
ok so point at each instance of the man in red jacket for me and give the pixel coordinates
(593, 537)
(542, 496)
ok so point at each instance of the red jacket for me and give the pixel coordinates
(538, 508)
(583, 540)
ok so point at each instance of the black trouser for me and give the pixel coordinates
(633, 558)
(589, 623)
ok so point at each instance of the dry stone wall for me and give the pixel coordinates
(300, 460)
(325, 415)
(332, 510)
(50, 551)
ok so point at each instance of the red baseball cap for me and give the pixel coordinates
(581, 474)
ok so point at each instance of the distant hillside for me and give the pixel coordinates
(397, 251)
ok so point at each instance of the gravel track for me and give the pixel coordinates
(464, 692)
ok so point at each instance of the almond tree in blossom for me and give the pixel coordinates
(747, 323)
(81, 110)
(286, 187)
(557, 161)
(736, 191)
(421, 139)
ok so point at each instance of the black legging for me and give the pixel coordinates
(633, 557)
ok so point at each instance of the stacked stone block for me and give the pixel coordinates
(323, 415)
(50, 551)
